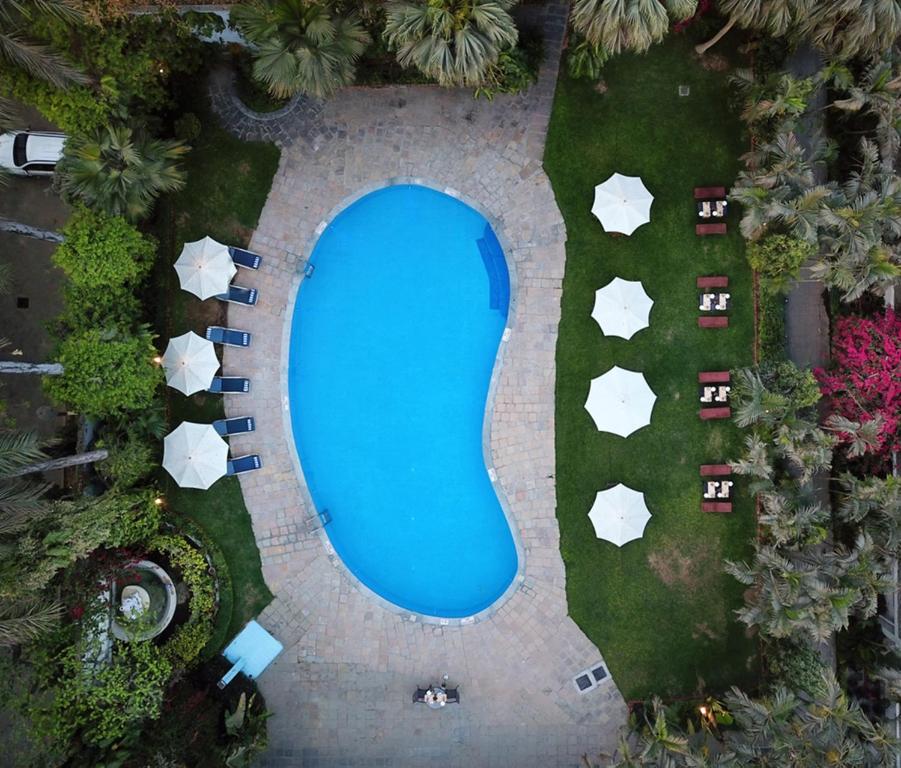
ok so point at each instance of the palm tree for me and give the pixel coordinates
(853, 28)
(779, 99)
(454, 41)
(24, 620)
(793, 521)
(877, 93)
(634, 25)
(775, 16)
(119, 172)
(37, 60)
(301, 46)
(874, 504)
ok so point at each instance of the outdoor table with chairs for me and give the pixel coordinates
(717, 490)
(718, 301)
(714, 393)
(715, 209)
(437, 696)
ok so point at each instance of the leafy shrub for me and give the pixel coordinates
(188, 127)
(797, 384)
(778, 259)
(103, 251)
(796, 666)
(185, 646)
(863, 382)
(78, 109)
(106, 372)
(103, 706)
(130, 461)
(585, 60)
(91, 308)
(511, 73)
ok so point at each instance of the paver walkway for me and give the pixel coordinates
(342, 690)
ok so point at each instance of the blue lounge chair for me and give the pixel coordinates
(230, 337)
(245, 259)
(238, 295)
(243, 464)
(237, 426)
(229, 385)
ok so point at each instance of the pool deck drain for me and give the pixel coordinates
(341, 691)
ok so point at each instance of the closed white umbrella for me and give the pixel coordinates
(190, 362)
(620, 401)
(195, 455)
(622, 308)
(622, 203)
(619, 514)
(205, 268)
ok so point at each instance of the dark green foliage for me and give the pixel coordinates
(660, 608)
(131, 460)
(188, 127)
(778, 259)
(252, 92)
(511, 73)
(106, 373)
(103, 252)
(795, 666)
(584, 59)
(771, 326)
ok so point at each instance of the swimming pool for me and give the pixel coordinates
(393, 342)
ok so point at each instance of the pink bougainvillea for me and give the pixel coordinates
(703, 7)
(865, 377)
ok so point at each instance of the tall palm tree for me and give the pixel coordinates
(634, 25)
(874, 504)
(775, 16)
(454, 41)
(302, 46)
(878, 93)
(849, 28)
(21, 501)
(120, 172)
(35, 59)
(779, 99)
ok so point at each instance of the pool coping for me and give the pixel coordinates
(509, 329)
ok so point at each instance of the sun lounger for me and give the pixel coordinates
(713, 377)
(243, 464)
(236, 426)
(716, 506)
(238, 295)
(713, 281)
(715, 470)
(710, 193)
(230, 337)
(715, 413)
(717, 321)
(229, 385)
(710, 229)
(245, 259)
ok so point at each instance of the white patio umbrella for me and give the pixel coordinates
(205, 268)
(619, 514)
(190, 362)
(622, 203)
(620, 401)
(195, 455)
(622, 308)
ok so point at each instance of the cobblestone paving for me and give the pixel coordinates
(341, 691)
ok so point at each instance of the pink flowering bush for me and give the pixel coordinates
(865, 378)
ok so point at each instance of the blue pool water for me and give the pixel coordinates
(393, 343)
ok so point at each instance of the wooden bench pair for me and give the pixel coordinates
(714, 412)
(716, 470)
(713, 281)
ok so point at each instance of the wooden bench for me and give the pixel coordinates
(713, 281)
(716, 506)
(713, 377)
(720, 412)
(717, 321)
(710, 193)
(715, 470)
(710, 229)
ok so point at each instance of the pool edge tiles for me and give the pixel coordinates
(438, 552)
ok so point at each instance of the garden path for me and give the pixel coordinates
(341, 692)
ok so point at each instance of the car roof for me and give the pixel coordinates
(44, 147)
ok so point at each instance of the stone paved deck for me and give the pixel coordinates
(341, 692)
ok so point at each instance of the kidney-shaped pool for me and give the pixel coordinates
(393, 343)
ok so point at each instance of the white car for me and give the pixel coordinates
(31, 153)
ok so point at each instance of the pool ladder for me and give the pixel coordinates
(319, 520)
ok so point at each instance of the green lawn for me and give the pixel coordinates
(228, 181)
(660, 609)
